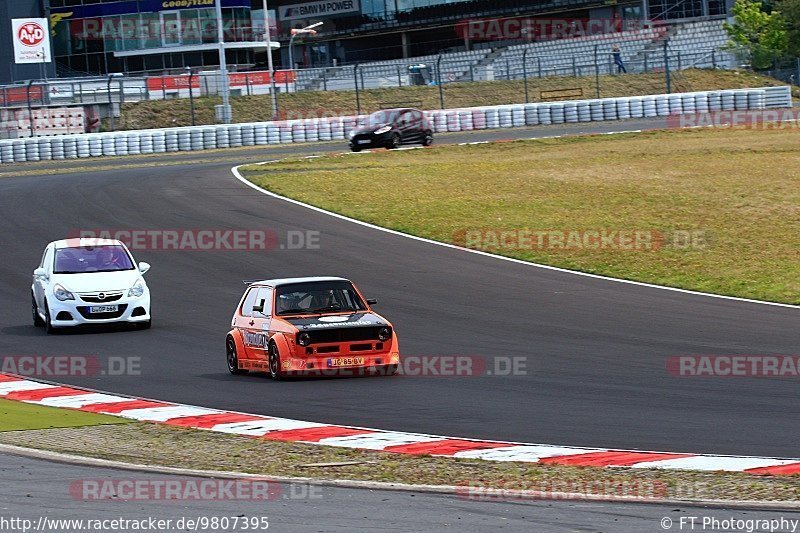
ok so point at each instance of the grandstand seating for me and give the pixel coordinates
(692, 44)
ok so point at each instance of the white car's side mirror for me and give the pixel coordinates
(40, 273)
(144, 267)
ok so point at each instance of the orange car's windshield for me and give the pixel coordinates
(318, 297)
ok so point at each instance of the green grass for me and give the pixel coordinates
(15, 416)
(737, 188)
(310, 104)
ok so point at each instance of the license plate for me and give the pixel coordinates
(346, 361)
(103, 309)
(364, 141)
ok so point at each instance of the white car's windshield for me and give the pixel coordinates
(106, 258)
(317, 297)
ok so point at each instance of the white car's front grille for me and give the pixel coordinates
(100, 297)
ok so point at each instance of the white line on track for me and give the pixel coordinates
(238, 176)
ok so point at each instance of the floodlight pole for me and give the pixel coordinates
(223, 66)
(270, 65)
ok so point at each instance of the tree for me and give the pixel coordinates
(790, 9)
(762, 34)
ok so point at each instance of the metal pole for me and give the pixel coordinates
(798, 68)
(525, 72)
(439, 80)
(270, 65)
(191, 94)
(355, 81)
(399, 79)
(666, 67)
(325, 79)
(596, 72)
(223, 67)
(30, 107)
(291, 56)
(539, 65)
(110, 103)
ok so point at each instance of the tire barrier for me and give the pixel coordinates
(134, 144)
(623, 109)
(584, 112)
(184, 140)
(235, 135)
(45, 150)
(32, 149)
(209, 138)
(557, 115)
(596, 109)
(338, 128)
(19, 151)
(518, 116)
(146, 143)
(544, 114)
(70, 148)
(637, 107)
(171, 140)
(57, 148)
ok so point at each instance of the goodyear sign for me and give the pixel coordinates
(127, 7)
(320, 9)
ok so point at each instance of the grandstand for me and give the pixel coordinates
(455, 66)
(690, 45)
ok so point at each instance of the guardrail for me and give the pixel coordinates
(326, 129)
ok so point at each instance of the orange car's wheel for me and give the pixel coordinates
(275, 371)
(232, 357)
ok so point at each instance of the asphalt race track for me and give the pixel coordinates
(34, 488)
(596, 350)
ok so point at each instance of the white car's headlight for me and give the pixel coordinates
(382, 130)
(137, 289)
(62, 294)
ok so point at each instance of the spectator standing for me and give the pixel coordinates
(616, 53)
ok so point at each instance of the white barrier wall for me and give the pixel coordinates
(311, 130)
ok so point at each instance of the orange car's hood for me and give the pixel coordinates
(354, 320)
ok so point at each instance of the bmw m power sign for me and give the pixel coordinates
(321, 9)
(31, 40)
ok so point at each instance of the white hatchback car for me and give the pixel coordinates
(89, 281)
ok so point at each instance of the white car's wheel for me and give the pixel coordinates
(48, 321)
(37, 319)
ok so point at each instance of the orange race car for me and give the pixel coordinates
(309, 326)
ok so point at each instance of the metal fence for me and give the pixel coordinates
(438, 72)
